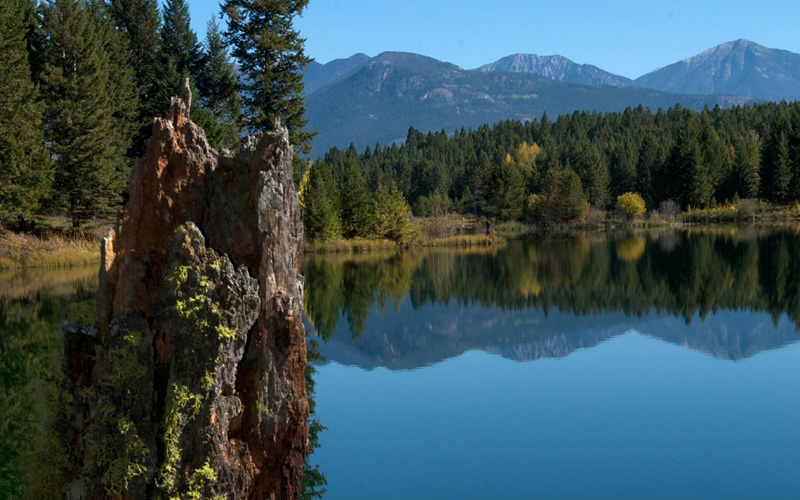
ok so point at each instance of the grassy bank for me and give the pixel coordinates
(375, 245)
(48, 251)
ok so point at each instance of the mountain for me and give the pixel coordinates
(382, 98)
(318, 75)
(557, 68)
(740, 67)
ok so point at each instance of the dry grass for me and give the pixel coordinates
(50, 251)
(358, 245)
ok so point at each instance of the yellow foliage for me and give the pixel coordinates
(630, 205)
(303, 183)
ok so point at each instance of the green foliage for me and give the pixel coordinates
(24, 165)
(218, 86)
(630, 205)
(392, 216)
(319, 198)
(139, 21)
(270, 54)
(88, 143)
(356, 203)
(748, 166)
(565, 200)
(179, 54)
(697, 159)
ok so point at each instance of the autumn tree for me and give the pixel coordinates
(630, 205)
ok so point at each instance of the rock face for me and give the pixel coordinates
(193, 387)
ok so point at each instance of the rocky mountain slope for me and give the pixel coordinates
(385, 96)
(740, 67)
(557, 68)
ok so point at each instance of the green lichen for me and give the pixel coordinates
(182, 407)
(126, 369)
(197, 483)
(120, 456)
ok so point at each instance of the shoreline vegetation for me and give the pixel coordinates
(54, 247)
(464, 231)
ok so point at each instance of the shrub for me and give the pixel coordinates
(630, 205)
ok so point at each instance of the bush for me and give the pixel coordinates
(630, 205)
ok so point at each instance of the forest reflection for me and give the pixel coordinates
(582, 278)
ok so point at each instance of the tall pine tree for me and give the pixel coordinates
(84, 137)
(179, 53)
(271, 57)
(139, 21)
(24, 165)
(218, 86)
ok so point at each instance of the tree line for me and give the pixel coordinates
(82, 80)
(683, 273)
(557, 168)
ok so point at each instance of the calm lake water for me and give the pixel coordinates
(663, 366)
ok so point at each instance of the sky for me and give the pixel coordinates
(629, 38)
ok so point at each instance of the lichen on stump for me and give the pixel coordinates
(192, 386)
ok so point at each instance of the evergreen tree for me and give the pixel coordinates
(121, 89)
(319, 200)
(85, 139)
(356, 204)
(507, 192)
(271, 57)
(218, 84)
(781, 169)
(33, 34)
(696, 186)
(24, 165)
(139, 21)
(565, 200)
(392, 214)
(748, 166)
(178, 52)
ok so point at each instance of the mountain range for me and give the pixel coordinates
(364, 100)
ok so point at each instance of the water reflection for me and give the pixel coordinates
(730, 293)
(33, 307)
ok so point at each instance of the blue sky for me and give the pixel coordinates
(625, 37)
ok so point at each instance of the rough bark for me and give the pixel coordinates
(202, 359)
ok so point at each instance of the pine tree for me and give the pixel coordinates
(781, 169)
(139, 21)
(271, 57)
(748, 166)
(392, 214)
(24, 165)
(218, 86)
(179, 53)
(84, 137)
(319, 200)
(33, 35)
(689, 166)
(356, 203)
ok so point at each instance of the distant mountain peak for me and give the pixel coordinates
(737, 67)
(556, 67)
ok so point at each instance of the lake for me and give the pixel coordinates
(597, 366)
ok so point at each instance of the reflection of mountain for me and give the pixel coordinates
(730, 293)
(409, 339)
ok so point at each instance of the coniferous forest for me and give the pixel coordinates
(504, 172)
(84, 79)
